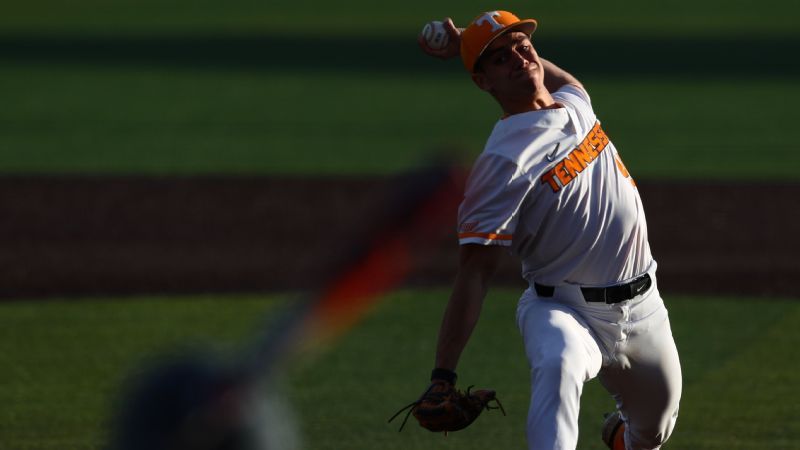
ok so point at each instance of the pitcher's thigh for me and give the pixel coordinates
(646, 384)
(556, 337)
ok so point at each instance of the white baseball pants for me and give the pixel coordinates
(629, 345)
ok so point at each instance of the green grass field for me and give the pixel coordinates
(686, 90)
(668, 17)
(229, 122)
(63, 362)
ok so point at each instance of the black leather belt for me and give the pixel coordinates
(610, 295)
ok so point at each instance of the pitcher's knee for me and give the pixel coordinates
(645, 441)
(650, 437)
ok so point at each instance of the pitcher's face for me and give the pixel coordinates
(509, 66)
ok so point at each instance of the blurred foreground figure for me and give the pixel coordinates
(197, 403)
(194, 401)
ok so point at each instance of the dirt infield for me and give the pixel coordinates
(85, 236)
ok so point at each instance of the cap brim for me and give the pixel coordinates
(527, 26)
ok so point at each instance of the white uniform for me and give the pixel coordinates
(551, 186)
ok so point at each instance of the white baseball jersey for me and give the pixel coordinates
(551, 185)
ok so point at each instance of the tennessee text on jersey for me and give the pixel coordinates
(578, 159)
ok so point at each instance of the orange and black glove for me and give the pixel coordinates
(443, 408)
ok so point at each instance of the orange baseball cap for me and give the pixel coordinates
(485, 29)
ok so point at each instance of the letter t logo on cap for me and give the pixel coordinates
(477, 36)
(488, 17)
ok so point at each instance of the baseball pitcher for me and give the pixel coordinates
(551, 187)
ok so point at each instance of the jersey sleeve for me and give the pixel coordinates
(489, 213)
(579, 106)
(574, 94)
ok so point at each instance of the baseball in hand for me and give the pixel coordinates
(435, 35)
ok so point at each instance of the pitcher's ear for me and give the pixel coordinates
(480, 80)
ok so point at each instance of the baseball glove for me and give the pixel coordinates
(444, 408)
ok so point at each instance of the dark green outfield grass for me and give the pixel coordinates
(687, 90)
(668, 17)
(108, 120)
(62, 362)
